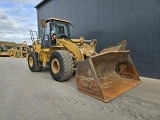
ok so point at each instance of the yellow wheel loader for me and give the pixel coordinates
(19, 51)
(4, 51)
(104, 75)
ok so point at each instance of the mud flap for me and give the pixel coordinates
(107, 75)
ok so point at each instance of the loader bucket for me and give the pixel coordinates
(107, 75)
(118, 47)
(4, 54)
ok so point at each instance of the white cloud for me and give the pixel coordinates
(17, 20)
(23, 1)
(7, 22)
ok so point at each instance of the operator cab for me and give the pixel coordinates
(53, 29)
(3, 48)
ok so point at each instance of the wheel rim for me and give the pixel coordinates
(55, 66)
(30, 61)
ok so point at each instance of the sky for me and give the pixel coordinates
(17, 17)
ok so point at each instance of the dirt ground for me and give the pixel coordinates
(25, 95)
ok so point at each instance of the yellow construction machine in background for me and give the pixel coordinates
(4, 51)
(104, 75)
(19, 51)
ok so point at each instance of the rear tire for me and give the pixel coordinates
(33, 63)
(61, 65)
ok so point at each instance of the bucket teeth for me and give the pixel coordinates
(107, 75)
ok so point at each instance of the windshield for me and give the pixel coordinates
(3, 49)
(60, 29)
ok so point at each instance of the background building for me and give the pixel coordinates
(111, 21)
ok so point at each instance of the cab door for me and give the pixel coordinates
(46, 36)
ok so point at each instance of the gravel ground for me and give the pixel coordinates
(36, 96)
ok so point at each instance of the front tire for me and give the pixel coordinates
(33, 63)
(61, 65)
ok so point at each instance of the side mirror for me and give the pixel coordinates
(43, 24)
